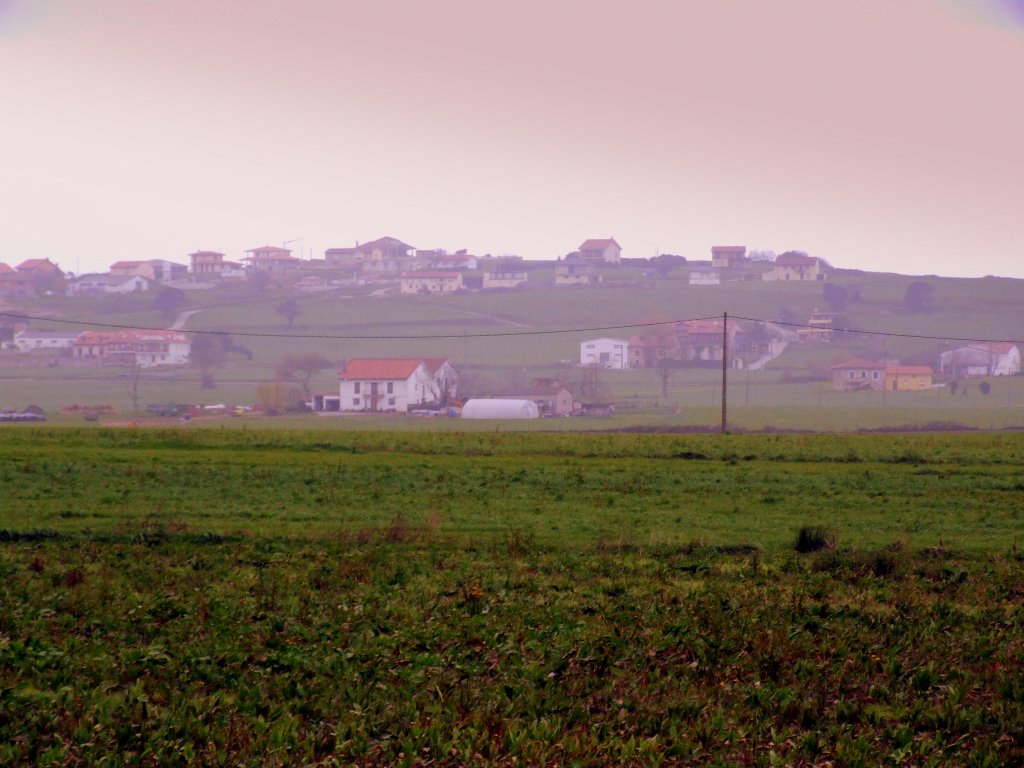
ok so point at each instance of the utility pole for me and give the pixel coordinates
(725, 369)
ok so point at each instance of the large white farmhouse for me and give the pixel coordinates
(395, 384)
(607, 353)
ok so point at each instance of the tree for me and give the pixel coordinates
(301, 369)
(664, 263)
(289, 310)
(170, 300)
(207, 354)
(918, 296)
(259, 280)
(835, 296)
(134, 377)
(274, 397)
(761, 254)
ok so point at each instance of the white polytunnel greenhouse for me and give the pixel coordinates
(500, 409)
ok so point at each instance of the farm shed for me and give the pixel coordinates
(500, 409)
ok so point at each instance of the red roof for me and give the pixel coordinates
(908, 370)
(38, 265)
(384, 242)
(999, 347)
(795, 260)
(381, 368)
(4, 268)
(107, 337)
(206, 254)
(741, 249)
(859, 363)
(339, 251)
(126, 264)
(598, 245)
(433, 363)
(650, 342)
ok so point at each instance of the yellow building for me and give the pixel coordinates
(908, 378)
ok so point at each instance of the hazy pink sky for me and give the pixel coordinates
(879, 135)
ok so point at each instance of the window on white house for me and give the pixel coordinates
(863, 374)
(851, 374)
(874, 375)
(355, 401)
(355, 388)
(391, 387)
(391, 401)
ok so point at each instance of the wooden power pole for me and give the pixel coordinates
(725, 369)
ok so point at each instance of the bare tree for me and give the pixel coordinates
(134, 377)
(302, 368)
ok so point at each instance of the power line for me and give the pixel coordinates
(351, 337)
(556, 331)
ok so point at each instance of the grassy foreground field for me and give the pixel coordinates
(352, 598)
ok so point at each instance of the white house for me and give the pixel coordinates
(431, 281)
(395, 384)
(985, 359)
(605, 352)
(131, 347)
(26, 341)
(505, 275)
(127, 284)
(601, 250)
(572, 270)
(704, 276)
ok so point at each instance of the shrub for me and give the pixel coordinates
(814, 538)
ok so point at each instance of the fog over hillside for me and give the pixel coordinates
(152, 130)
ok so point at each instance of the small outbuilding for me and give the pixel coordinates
(500, 409)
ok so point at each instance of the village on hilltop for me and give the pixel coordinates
(390, 267)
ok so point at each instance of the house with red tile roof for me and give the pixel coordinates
(728, 256)
(858, 374)
(601, 251)
(207, 263)
(39, 267)
(908, 378)
(395, 384)
(5, 269)
(146, 348)
(270, 258)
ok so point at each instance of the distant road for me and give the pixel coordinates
(181, 319)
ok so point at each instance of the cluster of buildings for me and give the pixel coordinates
(147, 348)
(731, 262)
(430, 385)
(687, 341)
(969, 361)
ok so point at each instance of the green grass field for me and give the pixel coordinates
(301, 597)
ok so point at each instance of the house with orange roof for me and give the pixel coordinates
(395, 384)
(146, 348)
(728, 256)
(270, 258)
(39, 267)
(858, 374)
(908, 378)
(601, 251)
